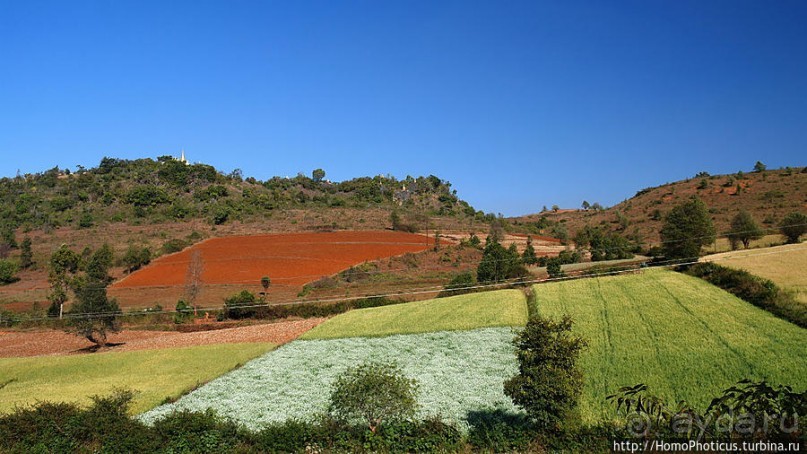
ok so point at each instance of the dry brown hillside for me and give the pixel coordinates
(767, 195)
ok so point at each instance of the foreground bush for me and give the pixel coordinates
(549, 382)
(760, 292)
(106, 427)
(373, 393)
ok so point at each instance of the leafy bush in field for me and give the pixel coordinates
(373, 393)
(500, 431)
(242, 305)
(174, 245)
(8, 272)
(459, 285)
(61, 427)
(754, 289)
(549, 382)
(457, 372)
(793, 226)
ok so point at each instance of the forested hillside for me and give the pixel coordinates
(146, 191)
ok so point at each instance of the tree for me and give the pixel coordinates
(554, 269)
(760, 167)
(265, 282)
(317, 175)
(193, 278)
(26, 254)
(499, 264)
(687, 227)
(586, 205)
(793, 226)
(549, 382)
(135, 258)
(63, 265)
(242, 305)
(743, 230)
(373, 393)
(528, 257)
(8, 272)
(93, 314)
(459, 284)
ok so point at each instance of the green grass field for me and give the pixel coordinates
(784, 265)
(683, 337)
(463, 312)
(155, 374)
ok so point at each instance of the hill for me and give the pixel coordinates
(681, 336)
(768, 195)
(166, 205)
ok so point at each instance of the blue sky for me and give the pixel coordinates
(518, 104)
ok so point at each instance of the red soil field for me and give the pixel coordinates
(289, 259)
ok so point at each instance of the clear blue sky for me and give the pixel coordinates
(518, 104)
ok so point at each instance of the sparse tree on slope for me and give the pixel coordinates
(743, 230)
(687, 227)
(793, 226)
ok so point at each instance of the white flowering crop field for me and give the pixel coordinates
(458, 372)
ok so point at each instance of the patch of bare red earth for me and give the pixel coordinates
(234, 263)
(39, 343)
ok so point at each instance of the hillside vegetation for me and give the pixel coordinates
(463, 312)
(166, 190)
(768, 195)
(684, 338)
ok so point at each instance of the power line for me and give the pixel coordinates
(415, 291)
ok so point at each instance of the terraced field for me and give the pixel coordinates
(153, 374)
(463, 312)
(461, 355)
(683, 337)
(784, 265)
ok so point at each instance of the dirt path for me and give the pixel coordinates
(51, 342)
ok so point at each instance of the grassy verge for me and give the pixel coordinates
(156, 375)
(463, 312)
(686, 339)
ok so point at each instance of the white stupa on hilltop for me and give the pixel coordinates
(182, 158)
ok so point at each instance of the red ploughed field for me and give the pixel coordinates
(289, 259)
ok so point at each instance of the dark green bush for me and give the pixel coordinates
(187, 431)
(459, 285)
(500, 431)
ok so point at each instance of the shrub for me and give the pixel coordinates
(459, 285)
(499, 264)
(187, 431)
(549, 382)
(686, 228)
(373, 393)
(242, 305)
(793, 226)
(554, 269)
(500, 431)
(174, 245)
(8, 272)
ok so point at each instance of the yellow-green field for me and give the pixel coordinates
(683, 337)
(462, 312)
(156, 375)
(784, 265)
